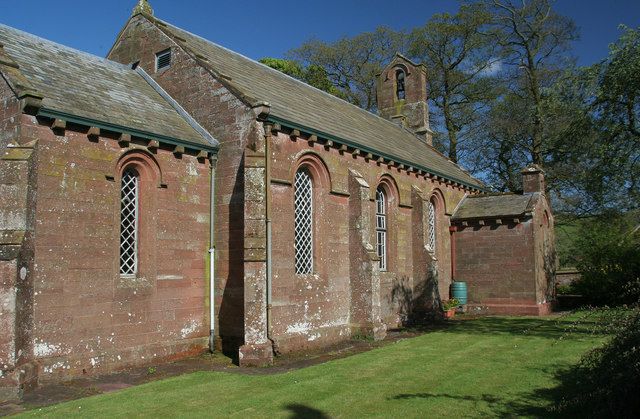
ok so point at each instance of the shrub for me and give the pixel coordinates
(565, 289)
(449, 304)
(608, 258)
(606, 382)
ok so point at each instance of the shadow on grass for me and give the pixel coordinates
(300, 411)
(544, 328)
(536, 405)
(562, 401)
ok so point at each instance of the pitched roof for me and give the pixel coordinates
(298, 105)
(495, 206)
(85, 87)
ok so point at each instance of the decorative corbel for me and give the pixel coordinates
(124, 140)
(178, 150)
(153, 146)
(93, 134)
(59, 126)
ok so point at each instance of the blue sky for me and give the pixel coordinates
(258, 28)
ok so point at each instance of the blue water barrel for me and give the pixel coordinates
(459, 291)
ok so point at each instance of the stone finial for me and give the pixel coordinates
(143, 6)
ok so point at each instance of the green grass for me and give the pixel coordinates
(492, 366)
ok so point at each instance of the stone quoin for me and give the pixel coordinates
(178, 197)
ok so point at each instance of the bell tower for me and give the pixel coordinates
(402, 96)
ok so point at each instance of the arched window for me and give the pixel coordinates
(381, 227)
(129, 192)
(303, 222)
(431, 226)
(400, 92)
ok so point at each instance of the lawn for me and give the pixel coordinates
(492, 366)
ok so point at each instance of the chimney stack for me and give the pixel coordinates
(533, 179)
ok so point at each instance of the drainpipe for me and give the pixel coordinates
(267, 175)
(452, 230)
(212, 256)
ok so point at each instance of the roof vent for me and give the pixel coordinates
(163, 59)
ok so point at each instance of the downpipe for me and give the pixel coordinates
(267, 175)
(212, 257)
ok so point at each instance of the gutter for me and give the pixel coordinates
(277, 120)
(50, 113)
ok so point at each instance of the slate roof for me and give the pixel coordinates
(495, 206)
(313, 110)
(84, 86)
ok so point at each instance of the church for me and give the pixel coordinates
(177, 197)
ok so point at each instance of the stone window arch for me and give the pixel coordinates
(303, 221)
(139, 177)
(381, 227)
(435, 207)
(311, 185)
(129, 200)
(431, 226)
(387, 191)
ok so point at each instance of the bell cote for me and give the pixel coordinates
(402, 96)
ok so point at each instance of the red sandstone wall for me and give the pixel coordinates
(16, 249)
(324, 317)
(544, 252)
(498, 264)
(87, 318)
(229, 121)
(313, 310)
(10, 219)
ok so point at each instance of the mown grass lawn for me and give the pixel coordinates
(491, 366)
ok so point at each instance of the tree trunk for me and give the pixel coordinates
(536, 146)
(449, 123)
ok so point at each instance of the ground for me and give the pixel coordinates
(469, 367)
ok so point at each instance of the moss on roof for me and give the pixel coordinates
(87, 87)
(306, 107)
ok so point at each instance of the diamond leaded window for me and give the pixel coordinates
(431, 226)
(303, 222)
(381, 228)
(129, 190)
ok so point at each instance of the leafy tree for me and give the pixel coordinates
(594, 146)
(616, 113)
(460, 53)
(288, 67)
(313, 75)
(352, 64)
(534, 39)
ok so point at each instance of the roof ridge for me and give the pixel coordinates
(329, 95)
(279, 73)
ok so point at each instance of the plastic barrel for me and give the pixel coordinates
(459, 291)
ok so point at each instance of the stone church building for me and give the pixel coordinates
(177, 197)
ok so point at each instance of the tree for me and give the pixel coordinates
(352, 64)
(313, 75)
(534, 39)
(595, 149)
(461, 57)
